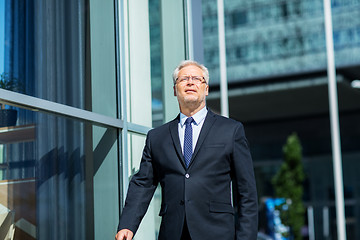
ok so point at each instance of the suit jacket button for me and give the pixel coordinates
(182, 202)
(187, 175)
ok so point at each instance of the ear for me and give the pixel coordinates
(174, 91)
(207, 90)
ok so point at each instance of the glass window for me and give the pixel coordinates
(156, 63)
(149, 227)
(238, 18)
(2, 36)
(139, 74)
(51, 177)
(99, 86)
(45, 51)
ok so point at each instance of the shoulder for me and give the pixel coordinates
(224, 120)
(164, 128)
(228, 126)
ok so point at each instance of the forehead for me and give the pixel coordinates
(191, 70)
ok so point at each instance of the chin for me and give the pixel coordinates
(191, 99)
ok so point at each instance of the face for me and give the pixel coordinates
(190, 93)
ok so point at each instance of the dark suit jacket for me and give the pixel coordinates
(201, 193)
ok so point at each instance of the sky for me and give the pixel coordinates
(2, 29)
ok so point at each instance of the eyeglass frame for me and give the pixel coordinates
(193, 78)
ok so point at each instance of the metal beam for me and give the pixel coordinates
(41, 105)
(334, 120)
(222, 60)
(189, 42)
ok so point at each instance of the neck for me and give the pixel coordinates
(190, 110)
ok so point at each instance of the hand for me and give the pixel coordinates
(124, 234)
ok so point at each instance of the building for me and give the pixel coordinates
(277, 80)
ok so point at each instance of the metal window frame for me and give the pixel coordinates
(40, 105)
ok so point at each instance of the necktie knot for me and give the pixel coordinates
(189, 120)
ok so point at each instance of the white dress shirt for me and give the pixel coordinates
(196, 126)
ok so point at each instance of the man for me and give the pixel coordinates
(199, 159)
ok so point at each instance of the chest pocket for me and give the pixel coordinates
(220, 145)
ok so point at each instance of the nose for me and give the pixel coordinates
(190, 80)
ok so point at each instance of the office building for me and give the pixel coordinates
(277, 80)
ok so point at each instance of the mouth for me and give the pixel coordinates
(190, 90)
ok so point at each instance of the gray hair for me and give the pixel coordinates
(188, 63)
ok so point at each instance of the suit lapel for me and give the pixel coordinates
(174, 132)
(208, 123)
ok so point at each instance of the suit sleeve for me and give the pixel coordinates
(140, 192)
(245, 188)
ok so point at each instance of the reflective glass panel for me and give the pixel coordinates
(52, 181)
(150, 225)
(156, 63)
(46, 52)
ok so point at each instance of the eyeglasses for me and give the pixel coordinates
(195, 79)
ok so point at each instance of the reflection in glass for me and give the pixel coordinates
(60, 178)
(2, 34)
(44, 177)
(210, 40)
(44, 48)
(156, 62)
(150, 225)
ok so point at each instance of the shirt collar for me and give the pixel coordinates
(198, 117)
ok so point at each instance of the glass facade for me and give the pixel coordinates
(50, 170)
(59, 171)
(81, 109)
(261, 35)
